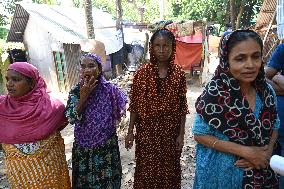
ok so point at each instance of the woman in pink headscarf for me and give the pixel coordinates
(30, 121)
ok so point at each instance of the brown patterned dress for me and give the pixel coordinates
(160, 103)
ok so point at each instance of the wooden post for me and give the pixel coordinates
(241, 11)
(119, 17)
(162, 9)
(89, 19)
(233, 13)
(118, 67)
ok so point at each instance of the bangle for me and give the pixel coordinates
(214, 143)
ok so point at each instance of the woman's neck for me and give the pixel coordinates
(247, 89)
(163, 69)
(163, 65)
(249, 93)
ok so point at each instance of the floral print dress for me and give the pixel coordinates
(95, 157)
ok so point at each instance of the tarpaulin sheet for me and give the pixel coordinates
(197, 38)
(188, 54)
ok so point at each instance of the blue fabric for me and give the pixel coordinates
(277, 62)
(227, 32)
(277, 59)
(280, 111)
(214, 169)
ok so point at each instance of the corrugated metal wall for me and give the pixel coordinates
(18, 26)
(72, 56)
(280, 19)
(38, 45)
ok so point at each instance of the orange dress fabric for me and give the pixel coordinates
(160, 103)
(44, 169)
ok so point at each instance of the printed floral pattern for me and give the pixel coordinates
(97, 168)
(105, 106)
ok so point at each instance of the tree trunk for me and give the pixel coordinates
(118, 68)
(89, 19)
(242, 8)
(119, 18)
(162, 9)
(228, 13)
(233, 13)
(118, 14)
(141, 10)
(249, 13)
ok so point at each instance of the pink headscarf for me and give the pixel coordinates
(31, 117)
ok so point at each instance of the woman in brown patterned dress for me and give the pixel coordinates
(158, 109)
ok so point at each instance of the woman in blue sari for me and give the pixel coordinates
(236, 123)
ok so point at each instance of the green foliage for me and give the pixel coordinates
(49, 2)
(77, 3)
(3, 20)
(130, 12)
(7, 10)
(2, 43)
(3, 33)
(252, 9)
(211, 10)
(107, 5)
(216, 11)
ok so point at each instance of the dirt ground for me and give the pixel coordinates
(127, 157)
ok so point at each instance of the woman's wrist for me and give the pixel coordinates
(80, 106)
(214, 142)
(82, 100)
(130, 130)
(244, 152)
(130, 133)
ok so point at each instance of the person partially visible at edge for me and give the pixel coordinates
(275, 76)
(30, 121)
(158, 109)
(236, 123)
(95, 106)
(228, 30)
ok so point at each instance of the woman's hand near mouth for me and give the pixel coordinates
(87, 86)
(89, 83)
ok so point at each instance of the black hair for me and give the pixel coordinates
(164, 33)
(242, 35)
